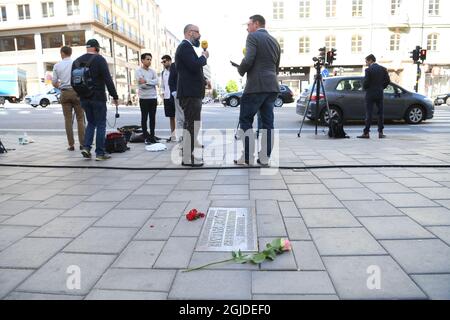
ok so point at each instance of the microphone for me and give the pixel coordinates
(204, 45)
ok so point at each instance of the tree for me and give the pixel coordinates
(214, 93)
(232, 86)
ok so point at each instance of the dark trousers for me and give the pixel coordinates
(192, 108)
(96, 117)
(148, 112)
(251, 104)
(370, 102)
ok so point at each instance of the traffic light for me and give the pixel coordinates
(331, 56)
(415, 54)
(423, 54)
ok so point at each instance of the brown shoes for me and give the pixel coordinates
(364, 136)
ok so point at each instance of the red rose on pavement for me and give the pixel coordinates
(194, 215)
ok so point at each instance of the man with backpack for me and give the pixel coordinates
(90, 75)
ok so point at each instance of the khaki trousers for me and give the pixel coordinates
(70, 102)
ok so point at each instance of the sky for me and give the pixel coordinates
(222, 23)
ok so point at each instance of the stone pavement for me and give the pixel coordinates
(127, 233)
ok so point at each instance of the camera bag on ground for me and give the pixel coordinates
(81, 80)
(2, 148)
(137, 137)
(128, 131)
(115, 143)
(336, 128)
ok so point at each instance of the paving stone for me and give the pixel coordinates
(285, 297)
(3, 218)
(352, 275)
(267, 207)
(229, 189)
(317, 201)
(234, 172)
(53, 276)
(39, 194)
(372, 208)
(102, 240)
(40, 296)
(193, 185)
(90, 209)
(420, 256)
(124, 218)
(109, 195)
(267, 185)
(442, 232)
(296, 229)
(285, 261)
(164, 180)
(33, 217)
(291, 282)
(139, 255)
(201, 175)
(187, 195)
(63, 228)
(345, 241)
(391, 228)
(434, 193)
(280, 195)
(101, 180)
(138, 176)
(388, 188)
(212, 285)
(302, 179)
(436, 286)
(289, 209)
(372, 178)
(271, 226)
(154, 190)
(329, 218)
(307, 256)
(17, 188)
(354, 194)
(30, 252)
(9, 279)
(417, 182)
(97, 294)
(13, 207)
(408, 200)
(342, 183)
(40, 180)
(137, 280)
(331, 174)
(444, 203)
(142, 202)
(308, 189)
(176, 253)
(11, 234)
(129, 185)
(225, 180)
(157, 229)
(4, 197)
(204, 258)
(171, 209)
(265, 174)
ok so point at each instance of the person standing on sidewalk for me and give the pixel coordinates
(191, 90)
(169, 100)
(95, 104)
(148, 97)
(179, 114)
(69, 99)
(375, 81)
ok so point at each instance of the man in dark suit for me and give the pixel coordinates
(190, 90)
(376, 80)
(261, 63)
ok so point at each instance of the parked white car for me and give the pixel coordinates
(44, 99)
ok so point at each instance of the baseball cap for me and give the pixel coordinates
(92, 43)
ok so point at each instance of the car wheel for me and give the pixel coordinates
(234, 102)
(34, 105)
(325, 117)
(278, 102)
(44, 103)
(415, 115)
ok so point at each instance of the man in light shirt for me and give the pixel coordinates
(169, 100)
(62, 73)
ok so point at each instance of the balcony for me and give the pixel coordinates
(399, 22)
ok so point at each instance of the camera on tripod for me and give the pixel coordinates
(325, 58)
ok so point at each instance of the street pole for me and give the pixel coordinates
(113, 49)
(418, 75)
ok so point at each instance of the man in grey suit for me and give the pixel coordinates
(261, 63)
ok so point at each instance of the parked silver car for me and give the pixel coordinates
(346, 97)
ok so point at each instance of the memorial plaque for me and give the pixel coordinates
(229, 229)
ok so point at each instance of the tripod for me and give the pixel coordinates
(2, 148)
(318, 87)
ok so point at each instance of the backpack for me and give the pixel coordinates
(81, 79)
(115, 142)
(128, 131)
(2, 148)
(336, 128)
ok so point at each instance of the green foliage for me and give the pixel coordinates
(232, 86)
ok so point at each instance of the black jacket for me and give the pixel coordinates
(375, 81)
(101, 76)
(173, 78)
(191, 82)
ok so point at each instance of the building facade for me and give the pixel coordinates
(33, 31)
(390, 29)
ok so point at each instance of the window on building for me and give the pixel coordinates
(304, 9)
(51, 40)
(395, 7)
(278, 9)
(356, 44)
(75, 38)
(47, 9)
(97, 11)
(357, 8)
(330, 8)
(73, 7)
(24, 11)
(3, 16)
(7, 44)
(120, 51)
(281, 43)
(330, 42)
(25, 42)
(432, 42)
(433, 7)
(105, 44)
(303, 45)
(395, 42)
